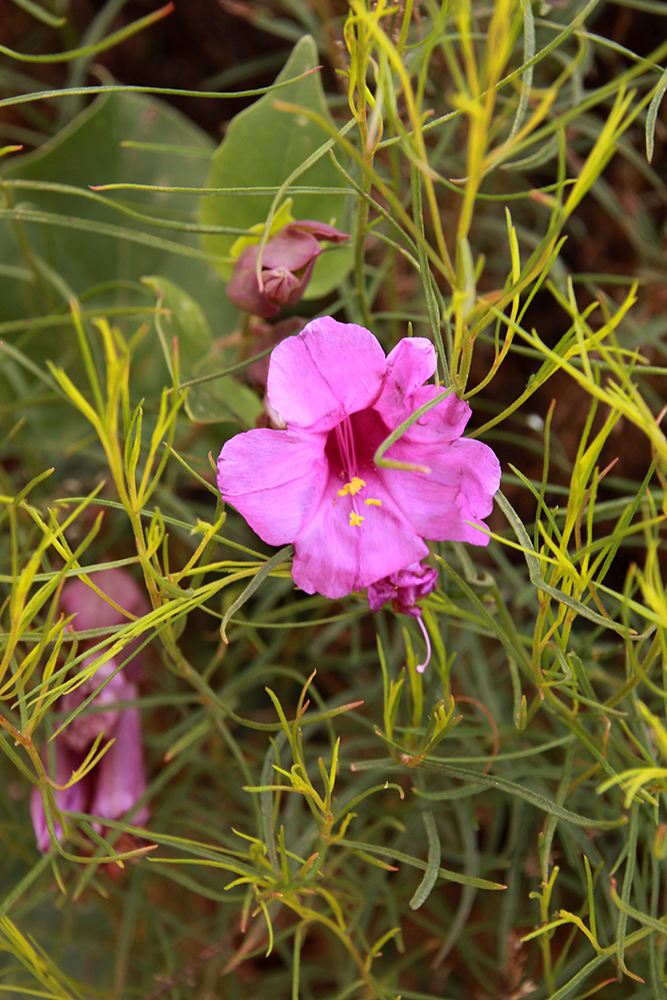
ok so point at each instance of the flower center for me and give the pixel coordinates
(350, 449)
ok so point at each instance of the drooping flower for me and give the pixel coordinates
(118, 780)
(404, 588)
(288, 259)
(315, 483)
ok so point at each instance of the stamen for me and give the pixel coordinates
(421, 667)
(345, 438)
(355, 486)
(372, 502)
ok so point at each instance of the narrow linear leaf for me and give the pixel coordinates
(122, 88)
(533, 563)
(105, 229)
(40, 13)
(407, 859)
(652, 115)
(501, 784)
(89, 50)
(424, 888)
(259, 578)
(642, 918)
(520, 791)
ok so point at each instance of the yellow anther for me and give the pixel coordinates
(372, 502)
(355, 486)
(355, 519)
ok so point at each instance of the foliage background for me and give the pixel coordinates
(532, 754)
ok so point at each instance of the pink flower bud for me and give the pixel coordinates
(288, 260)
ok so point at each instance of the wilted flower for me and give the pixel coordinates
(118, 780)
(316, 484)
(404, 588)
(288, 260)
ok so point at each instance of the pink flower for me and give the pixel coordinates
(404, 588)
(116, 783)
(315, 483)
(72, 799)
(288, 260)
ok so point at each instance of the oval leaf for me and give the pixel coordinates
(262, 147)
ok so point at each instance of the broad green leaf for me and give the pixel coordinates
(89, 152)
(210, 402)
(186, 322)
(222, 399)
(262, 147)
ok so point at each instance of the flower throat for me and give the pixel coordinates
(343, 459)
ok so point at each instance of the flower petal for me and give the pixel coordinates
(440, 426)
(274, 479)
(297, 292)
(120, 777)
(380, 592)
(92, 611)
(87, 725)
(290, 248)
(73, 799)
(243, 289)
(333, 557)
(327, 372)
(266, 336)
(280, 285)
(460, 488)
(405, 588)
(410, 364)
(320, 230)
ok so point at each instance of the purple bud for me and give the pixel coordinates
(288, 260)
(404, 588)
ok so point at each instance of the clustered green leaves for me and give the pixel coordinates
(325, 820)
